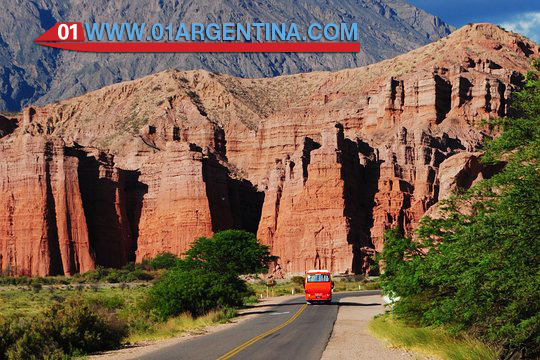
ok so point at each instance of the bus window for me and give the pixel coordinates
(318, 278)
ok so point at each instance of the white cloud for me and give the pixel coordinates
(527, 24)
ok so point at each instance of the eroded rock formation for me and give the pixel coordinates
(43, 224)
(318, 164)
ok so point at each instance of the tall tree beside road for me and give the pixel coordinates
(477, 268)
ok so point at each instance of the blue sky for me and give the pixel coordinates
(522, 16)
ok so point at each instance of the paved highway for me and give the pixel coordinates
(290, 330)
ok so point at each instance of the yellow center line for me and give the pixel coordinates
(252, 341)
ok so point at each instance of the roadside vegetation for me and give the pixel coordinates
(475, 271)
(431, 340)
(62, 317)
(209, 275)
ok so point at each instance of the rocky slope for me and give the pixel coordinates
(30, 73)
(317, 164)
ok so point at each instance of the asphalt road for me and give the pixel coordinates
(290, 330)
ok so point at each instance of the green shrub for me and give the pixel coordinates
(6, 336)
(15, 280)
(73, 327)
(109, 302)
(250, 299)
(137, 274)
(298, 280)
(114, 276)
(29, 339)
(96, 275)
(164, 260)
(355, 278)
(225, 314)
(78, 328)
(129, 267)
(128, 273)
(208, 278)
(144, 265)
(196, 291)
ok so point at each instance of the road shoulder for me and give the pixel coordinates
(351, 338)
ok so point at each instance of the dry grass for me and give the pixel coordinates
(430, 340)
(22, 300)
(124, 302)
(184, 323)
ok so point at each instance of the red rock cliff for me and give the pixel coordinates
(318, 165)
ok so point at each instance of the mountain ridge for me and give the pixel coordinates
(30, 73)
(317, 164)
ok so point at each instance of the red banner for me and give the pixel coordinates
(69, 31)
(188, 47)
(63, 35)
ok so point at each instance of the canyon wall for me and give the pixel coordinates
(318, 165)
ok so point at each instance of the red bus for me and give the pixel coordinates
(318, 286)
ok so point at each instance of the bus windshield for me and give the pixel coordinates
(318, 278)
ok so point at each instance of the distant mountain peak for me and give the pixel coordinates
(30, 73)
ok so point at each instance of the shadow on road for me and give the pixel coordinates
(356, 304)
(272, 305)
(255, 312)
(254, 307)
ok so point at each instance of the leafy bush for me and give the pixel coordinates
(96, 275)
(164, 260)
(114, 276)
(79, 328)
(477, 267)
(65, 329)
(354, 278)
(208, 278)
(298, 280)
(136, 275)
(109, 302)
(250, 299)
(129, 273)
(15, 280)
(196, 291)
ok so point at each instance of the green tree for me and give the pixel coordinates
(478, 268)
(229, 252)
(208, 277)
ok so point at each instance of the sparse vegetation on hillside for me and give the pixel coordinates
(477, 269)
